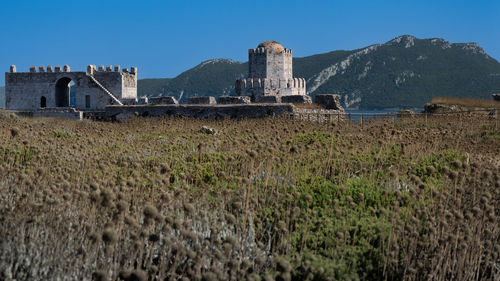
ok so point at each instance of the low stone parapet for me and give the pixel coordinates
(143, 100)
(441, 108)
(268, 99)
(202, 100)
(59, 112)
(296, 99)
(129, 101)
(406, 114)
(163, 100)
(318, 115)
(234, 100)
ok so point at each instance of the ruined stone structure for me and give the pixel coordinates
(209, 111)
(202, 100)
(50, 87)
(296, 99)
(270, 74)
(329, 101)
(233, 100)
(108, 93)
(163, 100)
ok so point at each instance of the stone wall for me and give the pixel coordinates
(329, 101)
(296, 99)
(318, 115)
(202, 100)
(59, 112)
(31, 90)
(129, 86)
(163, 100)
(257, 63)
(442, 108)
(233, 100)
(254, 87)
(268, 99)
(236, 111)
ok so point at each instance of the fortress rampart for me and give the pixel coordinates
(109, 92)
(52, 87)
(264, 86)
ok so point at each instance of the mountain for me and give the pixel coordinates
(2, 97)
(404, 72)
(210, 78)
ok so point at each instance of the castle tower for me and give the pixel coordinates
(270, 73)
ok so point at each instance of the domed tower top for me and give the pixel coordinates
(270, 60)
(272, 45)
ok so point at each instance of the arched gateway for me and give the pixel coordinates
(62, 92)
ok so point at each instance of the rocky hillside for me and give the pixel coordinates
(404, 72)
(210, 78)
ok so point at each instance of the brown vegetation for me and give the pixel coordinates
(272, 199)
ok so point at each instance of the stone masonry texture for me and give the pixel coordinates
(163, 100)
(296, 99)
(329, 101)
(202, 100)
(233, 100)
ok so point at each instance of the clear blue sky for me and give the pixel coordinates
(164, 38)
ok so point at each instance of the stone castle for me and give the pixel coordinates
(111, 93)
(270, 74)
(50, 87)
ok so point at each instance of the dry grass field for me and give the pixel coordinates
(272, 199)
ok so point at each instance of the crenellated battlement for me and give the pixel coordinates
(41, 69)
(257, 51)
(265, 83)
(91, 69)
(263, 50)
